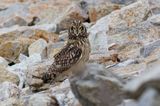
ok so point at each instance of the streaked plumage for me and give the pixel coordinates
(75, 52)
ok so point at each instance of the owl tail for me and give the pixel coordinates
(50, 74)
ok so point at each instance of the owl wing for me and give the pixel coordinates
(68, 56)
(64, 59)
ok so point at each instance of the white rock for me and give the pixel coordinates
(41, 99)
(3, 62)
(38, 46)
(64, 94)
(22, 57)
(8, 90)
(114, 23)
(98, 36)
(21, 68)
(155, 19)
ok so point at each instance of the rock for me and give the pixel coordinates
(39, 32)
(40, 99)
(8, 90)
(3, 62)
(128, 43)
(123, 1)
(73, 12)
(147, 49)
(114, 23)
(150, 97)
(127, 17)
(154, 6)
(21, 68)
(11, 102)
(148, 79)
(98, 37)
(53, 48)
(5, 75)
(95, 80)
(98, 9)
(10, 50)
(155, 19)
(18, 12)
(22, 58)
(15, 21)
(64, 94)
(37, 99)
(34, 76)
(86, 11)
(38, 46)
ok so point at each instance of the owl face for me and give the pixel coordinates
(77, 30)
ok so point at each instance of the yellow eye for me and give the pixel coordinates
(81, 28)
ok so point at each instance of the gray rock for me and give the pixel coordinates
(98, 37)
(34, 76)
(3, 62)
(15, 21)
(154, 6)
(119, 21)
(11, 102)
(64, 94)
(155, 19)
(39, 99)
(53, 48)
(149, 98)
(123, 1)
(9, 90)
(95, 86)
(113, 28)
(5, 75)
(147, 49)
(38, 46)
(21, 68)
(150, 79)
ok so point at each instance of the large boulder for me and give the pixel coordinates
(95, 86)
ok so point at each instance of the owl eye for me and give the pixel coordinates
(81, 28)
(72, 28)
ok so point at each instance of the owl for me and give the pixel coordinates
(75, 52)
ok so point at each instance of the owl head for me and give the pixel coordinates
(77, 30)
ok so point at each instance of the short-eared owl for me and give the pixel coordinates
(75, 52)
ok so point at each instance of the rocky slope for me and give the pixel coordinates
(32, 31)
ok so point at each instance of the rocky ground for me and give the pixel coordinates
(32, 31)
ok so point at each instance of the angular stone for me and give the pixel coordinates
(11, 102)
(38, 46)
(39, 99)
(127, 17)
(5, 75)
(98, 37)
(64, 94)
(21, 68)
(8, 90)
(149, 79)
(3, 62)
(53, 48)
(95, 80)
(147, 49)
(15, 21)
(34, 76)
(10, 50)
(150, 97)
(123, 1)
